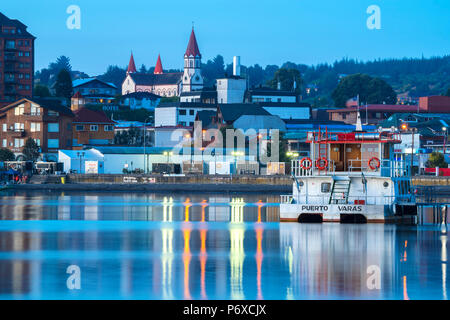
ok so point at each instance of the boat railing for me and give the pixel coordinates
(387, 168)
(352, 200)
(299, 171)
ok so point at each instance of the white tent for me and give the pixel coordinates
(90, 161)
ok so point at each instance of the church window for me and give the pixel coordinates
(197, 78)
(185, 78)
(191, 63)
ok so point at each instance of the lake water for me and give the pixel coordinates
(193, 246)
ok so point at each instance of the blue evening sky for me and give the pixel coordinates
(260, 31)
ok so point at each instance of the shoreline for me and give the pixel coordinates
(154, 187)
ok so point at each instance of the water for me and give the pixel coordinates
(187, 246)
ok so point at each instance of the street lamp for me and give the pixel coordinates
(80, 155)
(444, 129)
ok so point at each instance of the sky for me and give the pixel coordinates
(260, 31)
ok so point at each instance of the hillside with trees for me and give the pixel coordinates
(413, 77)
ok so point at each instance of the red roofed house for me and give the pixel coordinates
(376, 113)
(167, 84)
(91, 128)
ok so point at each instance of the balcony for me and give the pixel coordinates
(17, 132)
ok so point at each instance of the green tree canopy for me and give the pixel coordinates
(436, 159)
(63, 85)
(31, 150)
(370, 90)
(286, 78)
(6, 155)
(41, 91)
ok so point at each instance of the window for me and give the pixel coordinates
(35, 127)
(191, 112)
(5, 143)
(27, 54)
(109, 128)
(53, 127)
(19, 127)
(53, 113)
(53, 143)
(325, 187)
(182, 112)
(5, 127)
(18, 143)
(94, 127)
(79, 127)
(38, 142)
(19, 110)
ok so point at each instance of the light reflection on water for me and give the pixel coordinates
(147, 246)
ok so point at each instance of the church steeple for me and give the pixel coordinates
(131, 65)
(192, 48)
(158, 67)
(192, 77)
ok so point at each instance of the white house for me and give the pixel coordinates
(141, 100)
(179, 113)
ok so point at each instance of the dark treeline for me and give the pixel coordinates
(414, 77)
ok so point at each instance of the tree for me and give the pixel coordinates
(6, 155)
(448, 92)
(62, 63)
(370, 90)
(436, 159)
(115, 75)
(41, 91)
(286, 78)
(31, 150)
(63, 85)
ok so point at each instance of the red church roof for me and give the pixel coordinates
(131, 65)
(192, 49)
(158, 68)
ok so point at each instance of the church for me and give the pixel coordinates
(167, 84)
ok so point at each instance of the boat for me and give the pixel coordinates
(350, 177)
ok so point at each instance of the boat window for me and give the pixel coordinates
(325, 187)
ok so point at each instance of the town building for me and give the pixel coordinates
(91, 128)
(167, 84)
(434, 104)
(95, 91)
(140, 100)
(205, 96)
(16, 61)
(179, 113)
(370, 114)
(47, 121)
(265, 94)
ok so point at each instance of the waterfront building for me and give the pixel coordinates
(266, 94)
(16, 61)
(82, 161)
(47, 121)
(95, 90)
(167, 84)
(91, 128)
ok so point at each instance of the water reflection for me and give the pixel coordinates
(184, 256)
(139, 206)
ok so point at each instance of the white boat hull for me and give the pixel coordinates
(335, 212)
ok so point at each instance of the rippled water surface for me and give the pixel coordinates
(193, 246)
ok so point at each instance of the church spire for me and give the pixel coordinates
(192, 48)
(131, 65)
(158, 67)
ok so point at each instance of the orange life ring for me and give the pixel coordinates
(325, 163)
(306, 160)
(376, 166)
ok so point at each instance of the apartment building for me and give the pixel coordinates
(47, 121)
(16, 61)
